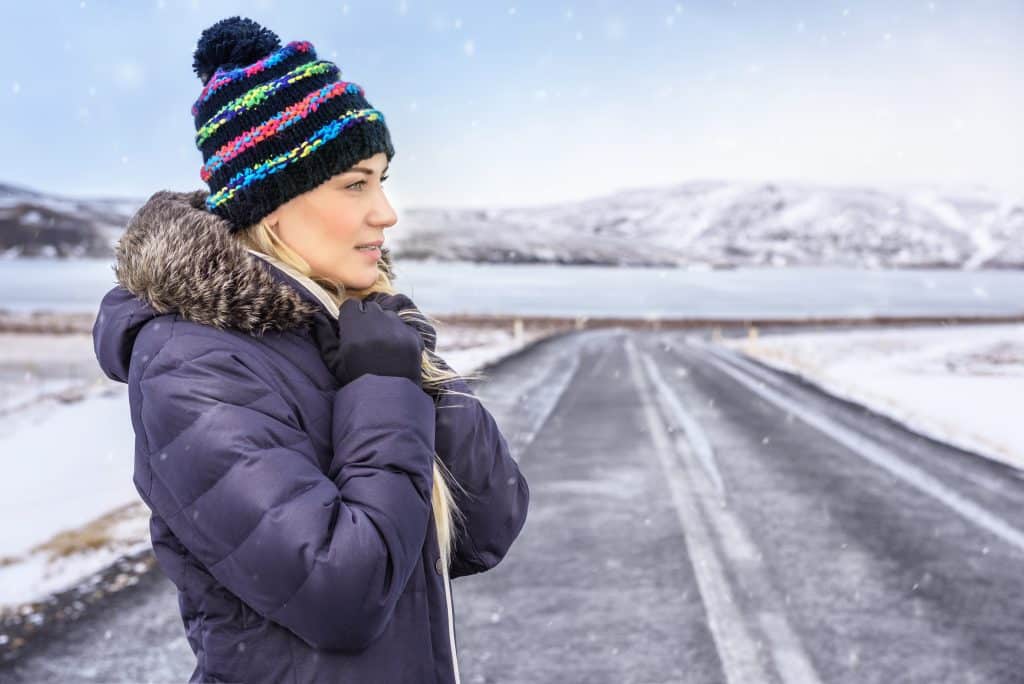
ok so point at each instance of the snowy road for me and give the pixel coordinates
(693, 518)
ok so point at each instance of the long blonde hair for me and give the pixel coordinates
(261, 239)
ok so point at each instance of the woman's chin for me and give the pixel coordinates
(360, 279)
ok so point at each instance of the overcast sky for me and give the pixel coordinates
(521, 103)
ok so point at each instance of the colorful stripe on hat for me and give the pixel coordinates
(248, 176)
(221, 79)
(280, 121)
(259, 94)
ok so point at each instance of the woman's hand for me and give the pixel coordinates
(368, 339)
(398, 302)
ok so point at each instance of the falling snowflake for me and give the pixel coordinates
(128, 74)
(613, 29)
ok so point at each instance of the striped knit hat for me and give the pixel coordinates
(274, 122)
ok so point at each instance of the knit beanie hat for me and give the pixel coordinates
(274, 122)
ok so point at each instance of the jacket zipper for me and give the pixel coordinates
(451, 623)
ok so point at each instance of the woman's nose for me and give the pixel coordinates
(383, 213)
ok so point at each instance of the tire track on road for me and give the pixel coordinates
(720, 547)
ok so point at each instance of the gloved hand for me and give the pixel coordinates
(397, 302)
(368, 339)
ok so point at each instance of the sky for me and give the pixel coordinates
(530, 103)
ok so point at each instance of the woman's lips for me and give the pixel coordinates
(369, 253)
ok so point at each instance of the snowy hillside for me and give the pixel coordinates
(726, 224)
(703, 223)
(36, 224)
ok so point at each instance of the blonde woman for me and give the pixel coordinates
(316, 473)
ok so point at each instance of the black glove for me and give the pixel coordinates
(398, 302)
(368, 339)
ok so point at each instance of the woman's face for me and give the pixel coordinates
(326, 224)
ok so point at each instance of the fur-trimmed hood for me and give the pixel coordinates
(175, 255)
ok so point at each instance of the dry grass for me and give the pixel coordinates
(96, 534)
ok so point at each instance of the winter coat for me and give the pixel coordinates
(294, 516)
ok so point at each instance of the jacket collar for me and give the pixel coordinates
(175, 255)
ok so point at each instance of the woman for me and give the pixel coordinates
(316, 474)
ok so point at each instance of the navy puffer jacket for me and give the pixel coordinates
(293, 516)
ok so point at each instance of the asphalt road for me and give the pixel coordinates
(694, 518)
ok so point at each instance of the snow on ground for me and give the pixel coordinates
(66, 450)
(961, 384)
(33, 366)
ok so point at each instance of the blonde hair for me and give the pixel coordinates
(261, 240)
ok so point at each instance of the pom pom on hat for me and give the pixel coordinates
(232, 42)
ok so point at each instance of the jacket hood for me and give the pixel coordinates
(176, 256)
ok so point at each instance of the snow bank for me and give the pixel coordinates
(961, 384)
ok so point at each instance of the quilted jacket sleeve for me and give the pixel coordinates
(470, 444)
(235, 477)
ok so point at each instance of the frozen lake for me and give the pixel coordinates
(445, 288)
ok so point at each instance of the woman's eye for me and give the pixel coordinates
(362, 182)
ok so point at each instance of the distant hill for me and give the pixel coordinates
(37, 224)
(719, 224)
(724, 224)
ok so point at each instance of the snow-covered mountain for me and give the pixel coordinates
(728, 223)
(37, 224)
(699, 223)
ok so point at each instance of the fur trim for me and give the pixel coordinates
(178, 256)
